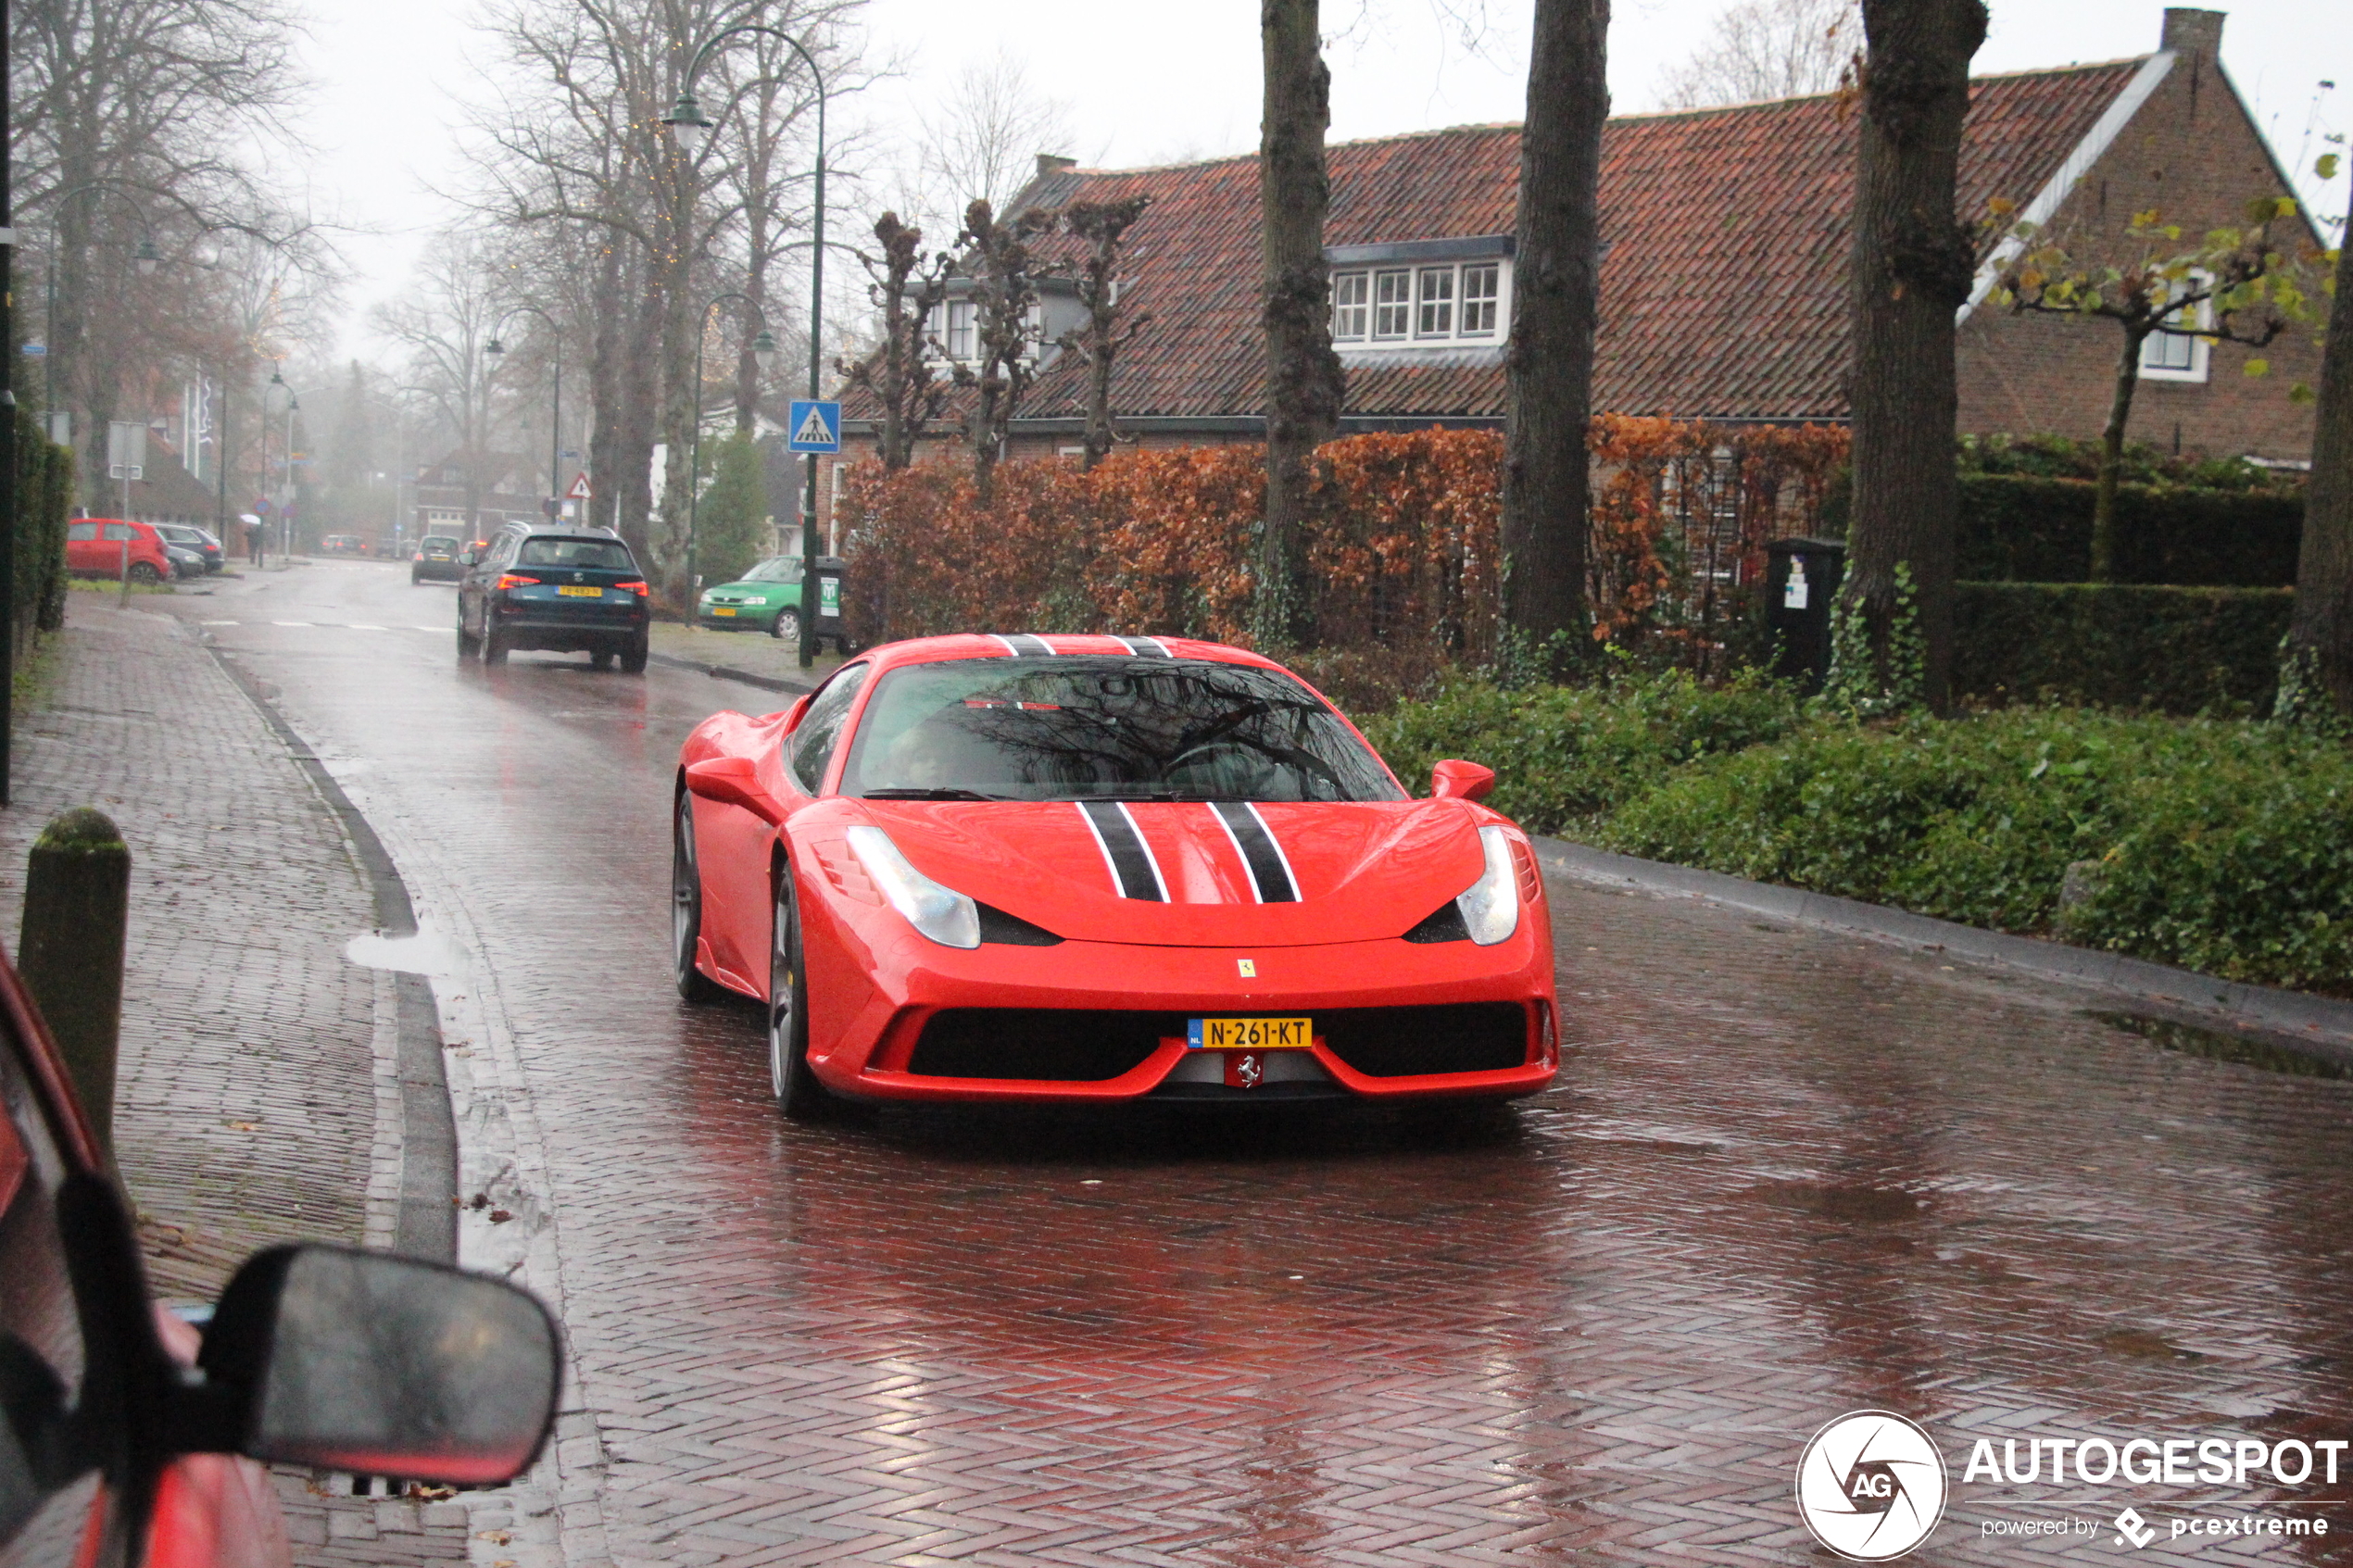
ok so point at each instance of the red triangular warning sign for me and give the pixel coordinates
(579, 491)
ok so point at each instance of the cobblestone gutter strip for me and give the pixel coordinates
(722, 672)
(426, 1225)
(2315, 1025)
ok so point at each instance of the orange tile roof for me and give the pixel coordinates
(1723, 293)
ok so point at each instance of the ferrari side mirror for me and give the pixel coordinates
(381, 1365)
(733, 780)
(1457, 780)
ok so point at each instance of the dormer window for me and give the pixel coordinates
(1432, 292)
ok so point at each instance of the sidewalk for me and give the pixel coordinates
(753, 653)
(257, 1098)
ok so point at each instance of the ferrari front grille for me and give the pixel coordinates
(1404, 1042)
(1068, 1045)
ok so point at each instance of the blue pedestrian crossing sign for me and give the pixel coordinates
(816, 427)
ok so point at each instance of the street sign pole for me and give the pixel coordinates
(812, 425)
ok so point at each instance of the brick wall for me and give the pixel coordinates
(2193, 152)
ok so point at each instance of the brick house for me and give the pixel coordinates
(1723, 289)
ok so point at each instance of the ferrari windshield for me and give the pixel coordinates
(1103, 728)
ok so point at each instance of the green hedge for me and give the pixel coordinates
(2017, 529)
(45, 499)
(2174, 650)
(2221, 845)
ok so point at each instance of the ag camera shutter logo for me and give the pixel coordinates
(1870, 1485)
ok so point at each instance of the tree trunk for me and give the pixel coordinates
(2119, 414)
(635, 450)
(1303, 382)
(1911, 270)
(1555, 280)
(2318, 669)
(604, 395)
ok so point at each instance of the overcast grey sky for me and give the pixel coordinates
(1153, 83)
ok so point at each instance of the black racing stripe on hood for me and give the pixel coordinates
(1269, 873)
(1132, 867)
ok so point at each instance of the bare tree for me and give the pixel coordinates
(1911, 271)
(981, 143)
(2316, 659)
(1548, 365)
(907, 287)
(1763, 49)
(1101, 225)
(445, 324)
(1003, 276)
(1305, 385)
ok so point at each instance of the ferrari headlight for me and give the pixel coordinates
(941, 913)
(1490, 909)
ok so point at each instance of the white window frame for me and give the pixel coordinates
(1491, 301)
(2166, 343)
(1441, 305)
(961, 319)
(1351, 317)
(1401, 304)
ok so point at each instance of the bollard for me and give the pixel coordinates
(77, 904)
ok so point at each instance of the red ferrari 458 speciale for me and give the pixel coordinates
(1032, 868)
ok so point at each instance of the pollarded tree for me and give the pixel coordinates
(907, 287)
(2236, 286)
(1108, 327)
(1766, 49)
(1003, 274)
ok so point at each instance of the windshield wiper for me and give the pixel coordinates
(1141, 795)
(915, 793)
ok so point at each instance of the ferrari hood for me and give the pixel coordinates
(1190, 874)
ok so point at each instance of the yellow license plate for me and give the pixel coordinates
(1249, 1034)
(722, 610)
(582, 593)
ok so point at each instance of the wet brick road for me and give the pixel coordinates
(1786, 1176)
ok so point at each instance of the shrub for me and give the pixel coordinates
(1563, 756)
(2221, 845)
(2020, 529)
(2176, 650)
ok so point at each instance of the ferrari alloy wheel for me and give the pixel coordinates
(798, 1095)
(785, 628)
(685, 907)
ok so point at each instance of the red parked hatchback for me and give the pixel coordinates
(95, 544)
(125, 1442)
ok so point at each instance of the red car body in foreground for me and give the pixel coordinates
(1023, 868)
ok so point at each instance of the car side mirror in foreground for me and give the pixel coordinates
(378, 1365)
(467, 558)
(1456, 780)
(733, 780)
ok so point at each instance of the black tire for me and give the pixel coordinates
(686, 908)
(494, 646)
(632, 657)
(414, 580)
(798, 1094)
(144, 572)
(469, 646)
(785, 628)
(601, 658)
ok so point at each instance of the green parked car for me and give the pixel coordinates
(766, 598)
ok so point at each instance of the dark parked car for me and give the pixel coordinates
(124, 1439)
(435, 560)
(185, 562)
(567, 590)
(192, 538)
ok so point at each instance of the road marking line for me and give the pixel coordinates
(216, 623)
(294, 623)
(429, 628)
(362, 626)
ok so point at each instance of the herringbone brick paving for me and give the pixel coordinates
(246, 1098)
(1786, 1176)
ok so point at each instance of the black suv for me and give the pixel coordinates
(435, 560)
(568, 590)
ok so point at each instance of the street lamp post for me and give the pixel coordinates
(688, 126)
(763, 353)
(495, 348)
